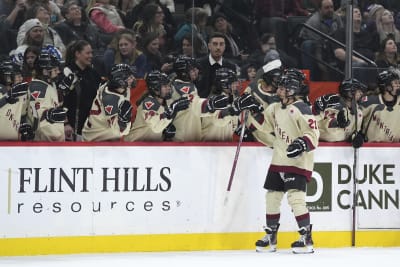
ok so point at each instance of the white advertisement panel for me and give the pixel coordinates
(107, 190)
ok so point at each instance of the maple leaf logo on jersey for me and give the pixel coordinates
(148, 104)
(185, 89)
(35, 94)
(108, 109)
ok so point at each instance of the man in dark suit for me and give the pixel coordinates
(209, 64)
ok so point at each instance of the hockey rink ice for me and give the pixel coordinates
(323, 257)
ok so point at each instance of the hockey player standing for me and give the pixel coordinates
(188, 122)
(110, 116)
(335, 116)
(154, 116)
(44, 99)
(293, 133)
(381, 112)
(222, 127)
(13, 104)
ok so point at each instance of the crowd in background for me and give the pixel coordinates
(90, 37)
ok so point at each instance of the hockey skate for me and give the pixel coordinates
(305, 244)
(268, 240)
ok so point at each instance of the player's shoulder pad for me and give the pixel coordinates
(183, 88)
(304, 108)
(37, 89)
(150, 103)
(368, 100)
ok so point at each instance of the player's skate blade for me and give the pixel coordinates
(303, 250)
(264, 248)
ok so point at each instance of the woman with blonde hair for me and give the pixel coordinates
(122, 49)
(385, 26)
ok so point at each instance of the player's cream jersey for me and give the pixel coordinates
(102, 123)
(329, 129)
(380, 121)
(149, 122)
(265, 99)
(187, 122)
(219, 128)
(11, 115)
(286, 124)
(44, 96)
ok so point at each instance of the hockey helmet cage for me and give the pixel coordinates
(119, 75)
(182, 66)
(348, 87)
(46, 61)
(154, 80)
(292, 86)
(8, 70)
(385, 79)
(224, 77)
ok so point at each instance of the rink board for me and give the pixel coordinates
(119, 197)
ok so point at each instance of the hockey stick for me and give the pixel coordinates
(235, 160)
(353, 229)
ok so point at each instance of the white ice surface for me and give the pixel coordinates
(323, 257)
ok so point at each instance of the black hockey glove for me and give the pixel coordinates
(217, 102)
(125, 112)
(16, 91)
(248, 132)
(26, 132)
(66, 81)
(296, 148)
(169, 132)
(341, 119)
(246, 101)
(55, 115)
(327, 101)
(176, 106)
(357, 139)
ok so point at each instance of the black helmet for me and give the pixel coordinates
(119, 74)
(348, 87)
(295, 74)
(154, 80)
(224, 77)
(8, 70)
(182, 66)
(385, 79)
(46, 61)
(292, 85)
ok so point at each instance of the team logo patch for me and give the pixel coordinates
(108, 109)
(148, 104)
(185, 89)
(35, 94)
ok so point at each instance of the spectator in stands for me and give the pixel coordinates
(152, 18)
(12, 16)
(364, 42)
(51, 37)
(326, 21)
(385, 26)
(191, 46)
(388, 55)
(234, 47)
(210, 63)
(268, 48)
(50, 6)
(34, 36)
(248, 72)
(75, 28)
(154, 57)
(195, 23)
(105, 16)
(28, 67)
(272, 16)
(123, 50)
(79, 59)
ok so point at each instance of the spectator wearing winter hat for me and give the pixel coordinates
(34, 36)
(51, 37)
